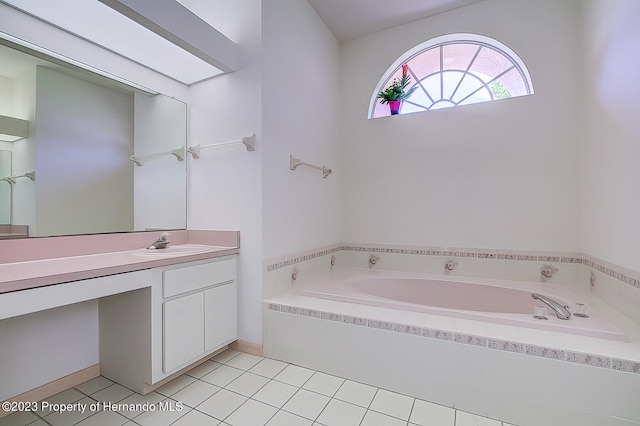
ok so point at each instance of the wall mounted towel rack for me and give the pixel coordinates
(249, 142)
(140, 159)
(12, 179)
(295, 162)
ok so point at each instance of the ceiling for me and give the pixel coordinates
(349, 19)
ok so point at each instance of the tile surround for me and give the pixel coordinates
(630, 366)
(621, 274)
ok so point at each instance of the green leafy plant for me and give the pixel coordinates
(397, 91)
(499, 91)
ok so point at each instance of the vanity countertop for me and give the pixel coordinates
(24, 274)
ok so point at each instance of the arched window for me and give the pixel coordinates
(453, 70)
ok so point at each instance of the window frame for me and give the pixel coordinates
(448, 39)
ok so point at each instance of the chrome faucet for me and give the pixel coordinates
(562, 312)
(161, 243)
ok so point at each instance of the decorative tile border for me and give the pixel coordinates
(469, 253)
(588, 359)
(629, 366)
(625, 365)
(579, 258)
(544, 352)
(504, 345)
(469, 339)
(300, 259)
(612, 271)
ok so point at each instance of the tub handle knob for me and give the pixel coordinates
(547, 271)
(450, 265)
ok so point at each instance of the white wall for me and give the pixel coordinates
(610, 173)
(287, 60)
(6, 98)
(493, 175)
(224, 184)
(301, 100)
(45, 346)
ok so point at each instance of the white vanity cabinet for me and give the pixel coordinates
(182, 330)
(189, 312)
(199, 310)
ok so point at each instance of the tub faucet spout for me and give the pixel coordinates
(561, 311)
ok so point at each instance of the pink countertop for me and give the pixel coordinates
(37, 262)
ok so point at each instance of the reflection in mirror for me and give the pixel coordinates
(83, 129)
(5, 187)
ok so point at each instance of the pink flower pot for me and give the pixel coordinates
(394, 107)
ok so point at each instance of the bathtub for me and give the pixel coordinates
(494, 301)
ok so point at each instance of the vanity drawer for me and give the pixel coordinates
(194, 277)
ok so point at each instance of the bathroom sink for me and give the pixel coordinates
(180, 250)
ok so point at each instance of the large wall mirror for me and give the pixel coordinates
(73, 173)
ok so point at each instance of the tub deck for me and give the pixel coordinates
(493, 301)
(471, 329)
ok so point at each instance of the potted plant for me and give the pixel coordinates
(396, 93)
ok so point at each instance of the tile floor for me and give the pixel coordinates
(239, 389)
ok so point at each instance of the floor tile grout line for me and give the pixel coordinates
(192, 409)
(368, 406)
(39, 417)
(232, 391)
(295, 414)
(323, 408)
(388, 415)
(288, 399)
(199, 365)
(237, 408)
(298, 388)
(413, 404)
(86, 396)
(244, 396)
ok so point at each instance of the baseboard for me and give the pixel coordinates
(247, 347)
(72, 380)
(67, 382)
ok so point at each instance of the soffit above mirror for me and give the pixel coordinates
(162, 35)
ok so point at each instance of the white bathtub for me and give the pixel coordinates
(495, 301)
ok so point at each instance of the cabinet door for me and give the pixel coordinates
(221, 315)
(183, 330)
